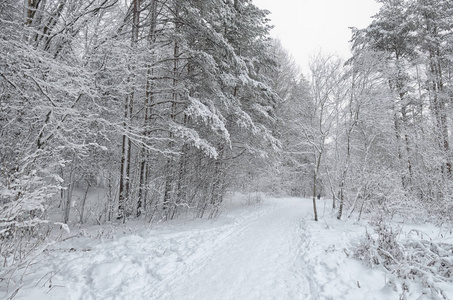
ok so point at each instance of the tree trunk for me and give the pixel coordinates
(125, 169)
(144, 154)
(340, 210)
(141, 197)
(181, 187)
(169, 177)
(315, 211)
(82, 206)
(439, 110)
(344, 174)
(315, 179)
(67, 207)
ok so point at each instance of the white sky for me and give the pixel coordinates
(308, 26)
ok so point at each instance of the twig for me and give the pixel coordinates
(14, 293)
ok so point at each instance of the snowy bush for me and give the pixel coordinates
(423, 261)
(381, 248)
(22, 220)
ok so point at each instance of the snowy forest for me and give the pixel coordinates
(114, 112)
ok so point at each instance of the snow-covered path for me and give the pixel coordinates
(258, 261)
(269, 251)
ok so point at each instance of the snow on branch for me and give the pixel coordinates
(209, 116)
(191, 136)
(412, 260)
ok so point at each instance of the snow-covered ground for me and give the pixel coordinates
(269, 251)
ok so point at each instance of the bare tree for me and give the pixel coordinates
(325, 82)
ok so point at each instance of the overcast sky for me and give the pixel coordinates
(306, 26)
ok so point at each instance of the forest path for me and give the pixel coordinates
(259, 260)
(269, 251)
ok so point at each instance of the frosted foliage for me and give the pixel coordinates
(263, 111)
(203, 112)
(228, 79)
(245, 121)
(22, 208)
(414, 259)
(191, 137)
